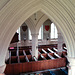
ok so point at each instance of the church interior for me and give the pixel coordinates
(37, 37)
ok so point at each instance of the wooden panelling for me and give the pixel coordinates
(34, 66)
(21, 52)
(13, 53)
(9, 69)
(21, 61)
(14, 59)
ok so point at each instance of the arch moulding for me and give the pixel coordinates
(16, 12)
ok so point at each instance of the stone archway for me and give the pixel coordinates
(16, 12)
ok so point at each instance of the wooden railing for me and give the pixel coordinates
(21, 61)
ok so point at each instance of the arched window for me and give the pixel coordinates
(54, 33)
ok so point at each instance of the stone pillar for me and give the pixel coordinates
(2, 62)
(71, 68)
(19, 34)
(2, 68)
(7, 55)
(60, 42)
(35, 45)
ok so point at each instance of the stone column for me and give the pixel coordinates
(60, 42)
(7, 55)
(2, 62)
(71, 67)
(19, 30)
(35, 45)
(2, 68)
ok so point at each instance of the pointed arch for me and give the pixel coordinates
(17, 11)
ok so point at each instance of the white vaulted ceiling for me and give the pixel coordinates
(14, 12)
